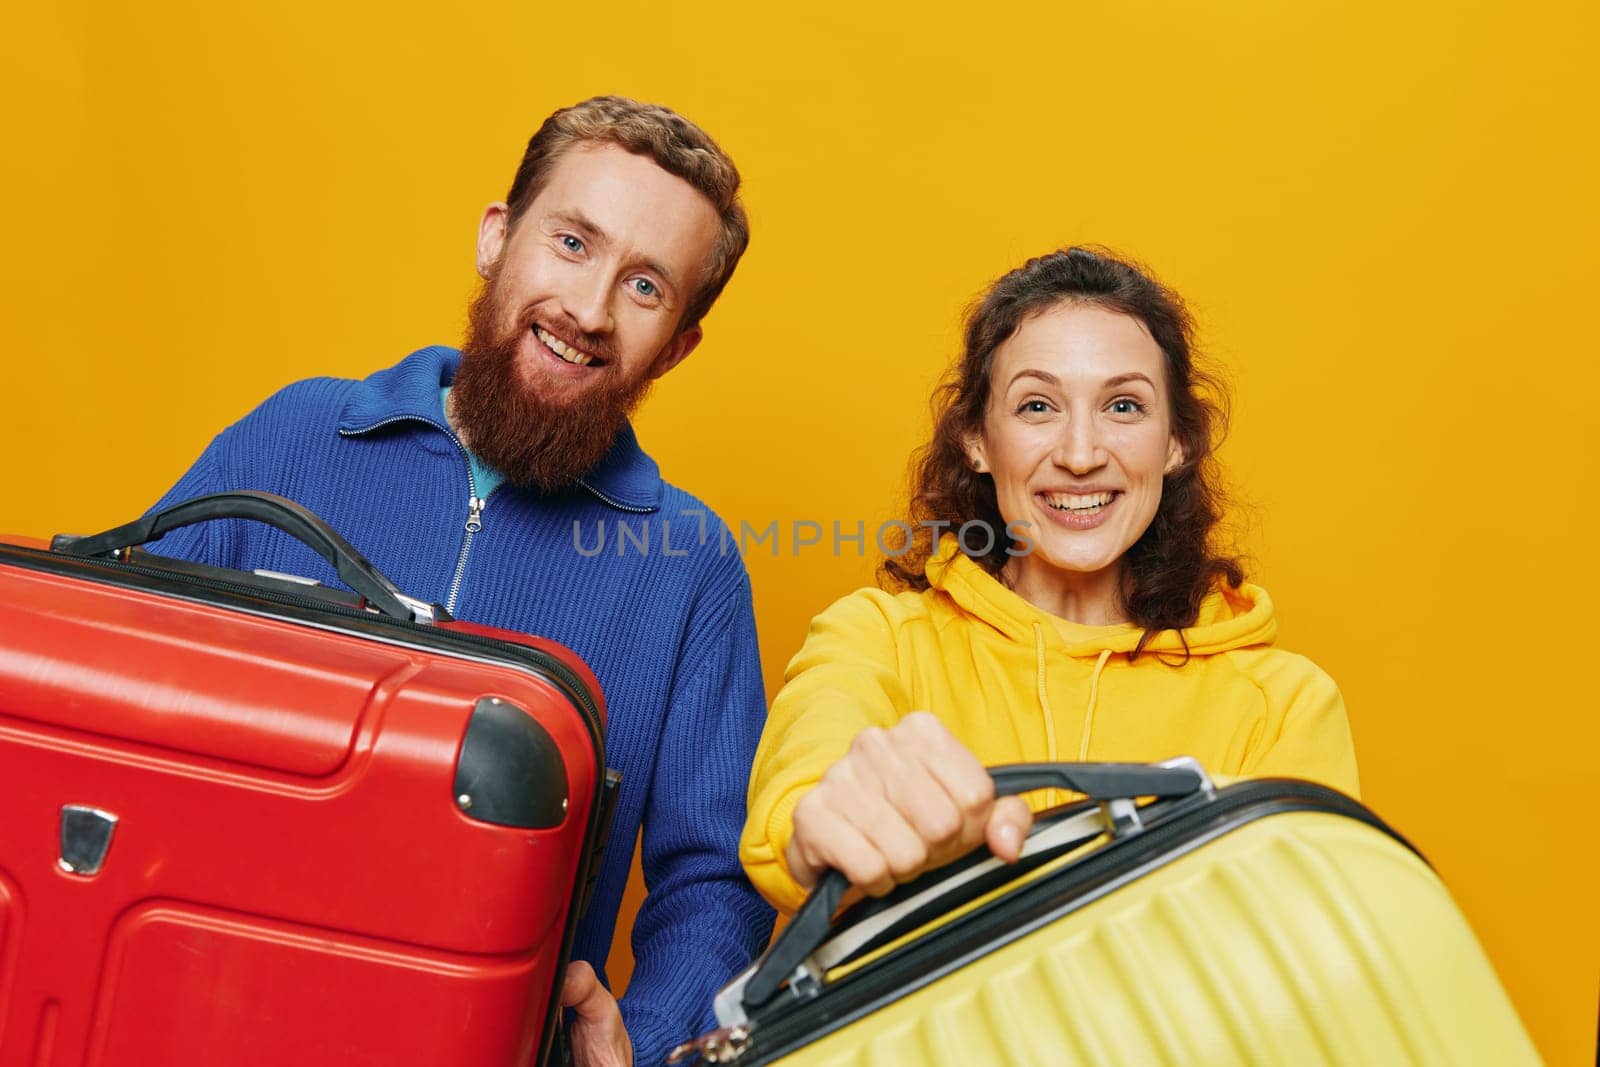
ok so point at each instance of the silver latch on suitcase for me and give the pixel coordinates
(723, 1045)
(85, 838)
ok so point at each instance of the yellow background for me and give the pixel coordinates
(1382, 213)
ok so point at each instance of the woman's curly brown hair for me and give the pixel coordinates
(1175, 563)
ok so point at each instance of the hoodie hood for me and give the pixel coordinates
(1229, 618)
(1016, 684)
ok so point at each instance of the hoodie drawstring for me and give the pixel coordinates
(1051, 800)
(1049, 716)
(1094, 695)
(1044, 697)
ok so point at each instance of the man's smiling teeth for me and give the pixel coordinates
(561, 348)
(1073, 502)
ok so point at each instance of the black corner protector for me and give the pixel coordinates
(510, 772)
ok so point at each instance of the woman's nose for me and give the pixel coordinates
(1079, 449)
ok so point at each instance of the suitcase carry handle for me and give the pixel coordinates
(1114, 785)
(292, 518)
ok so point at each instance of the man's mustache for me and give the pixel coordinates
(596, 344)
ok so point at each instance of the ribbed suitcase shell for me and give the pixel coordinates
(1297, 937)
(292, 878)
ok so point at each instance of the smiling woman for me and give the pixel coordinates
(1079, 378)
(1099, 622)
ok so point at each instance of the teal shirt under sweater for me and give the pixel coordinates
(485, 479)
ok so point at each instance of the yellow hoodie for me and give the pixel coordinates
(1015, 683)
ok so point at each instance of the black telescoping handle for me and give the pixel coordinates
(288, 516)
(1097, 781)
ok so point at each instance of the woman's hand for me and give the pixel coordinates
(901, 801)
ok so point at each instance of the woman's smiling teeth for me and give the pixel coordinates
(1076, 502)
(561, 348)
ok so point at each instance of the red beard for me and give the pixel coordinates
(534, 442)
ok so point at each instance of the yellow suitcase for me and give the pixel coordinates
(1265, 922)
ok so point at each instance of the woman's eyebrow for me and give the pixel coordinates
(1051, 379)
(1030, 372)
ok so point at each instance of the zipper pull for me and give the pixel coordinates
(474, 515)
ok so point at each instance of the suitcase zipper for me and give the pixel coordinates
(565, 678)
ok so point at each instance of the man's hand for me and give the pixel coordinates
(901, 801)
(597, 1037)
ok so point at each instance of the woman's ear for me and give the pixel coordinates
(977, 459)
(1174, 454)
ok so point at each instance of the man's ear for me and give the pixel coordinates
(491, 236)
(977, 458)
(677, 351)
(1174, 454)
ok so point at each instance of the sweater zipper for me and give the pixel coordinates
(619, 505)
(474, 524)
(475, 504)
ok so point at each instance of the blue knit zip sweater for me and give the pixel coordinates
(668, 630)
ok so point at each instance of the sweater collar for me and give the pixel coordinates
(625, 477)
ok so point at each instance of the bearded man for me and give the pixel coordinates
(466, 477)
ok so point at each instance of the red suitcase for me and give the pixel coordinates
(243, 821)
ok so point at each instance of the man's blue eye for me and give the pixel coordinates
(644, 287)
(571, 243)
